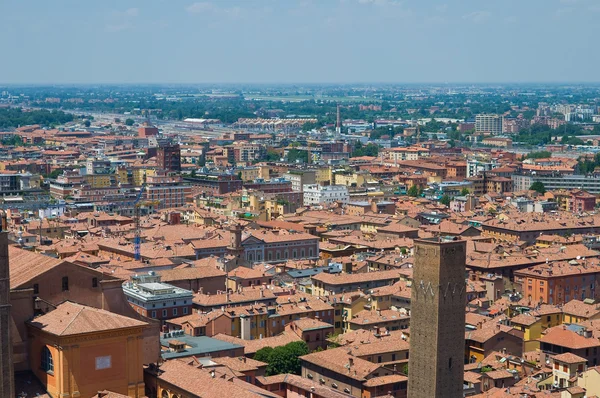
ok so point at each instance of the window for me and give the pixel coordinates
(103, 362)
(47, 361)
(174, 311)
(153, 314)
(94, 282)
(164, 313)
(65, 283)
(36, 288)
(185, 310)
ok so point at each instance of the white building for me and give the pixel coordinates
(474, 167)
(315, 194)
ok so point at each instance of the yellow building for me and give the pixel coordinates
(354, 179)
(590, 380)
(250, 173)
(346, 306)
(76, 351)
(531, 326)
(99, 180)
(264, 172)
(140, 174)
(323, 175)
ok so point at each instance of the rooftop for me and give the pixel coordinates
(195, 346)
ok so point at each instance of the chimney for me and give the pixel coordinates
(351, 362)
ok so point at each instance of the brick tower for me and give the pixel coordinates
(6, 361)
(437, 322)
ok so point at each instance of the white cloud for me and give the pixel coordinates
(113, 28)
(442, 8)
(121, 20)
(381, 2)
(511, 19)
(477, 16)
(200, 7)
(563, 11)
(207, 7)
(132, 12)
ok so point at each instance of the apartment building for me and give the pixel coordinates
(488, 123)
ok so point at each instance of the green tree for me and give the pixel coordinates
(365, 150)
(54, 173)
(308, 126)
(87, 123)
(413, 191)
(465, 191)
(283, 359)
(263, 354)
(445, 200)
(129, 122)
(297, 154)
(539, 155)
(538, 186)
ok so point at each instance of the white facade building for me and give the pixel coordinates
(474, 167)
(315, 194)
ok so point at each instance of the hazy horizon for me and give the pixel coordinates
(157, 42)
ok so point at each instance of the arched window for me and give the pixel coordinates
(165, 394)
(47, 361)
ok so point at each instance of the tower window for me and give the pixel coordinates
(94, 282)
(449, 363)
(36, 288)
(47, 361)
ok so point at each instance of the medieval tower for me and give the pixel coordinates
(437, 323)
(6, 360)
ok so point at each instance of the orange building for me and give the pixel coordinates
(559, 282)
(76, 351)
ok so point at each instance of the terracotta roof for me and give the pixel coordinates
(384, 380)
(562, 337)
(25, 265)
(241, 364)
(338, 361)
(524, 319)
(199, 382)
(251, 346)
(569, 358)
(498, 374)
(346, 279)
(190, 273)
(581, 309)
(71, 319)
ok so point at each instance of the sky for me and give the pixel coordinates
(298, 41)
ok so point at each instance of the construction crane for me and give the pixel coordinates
(137, 203)
(136, 214)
